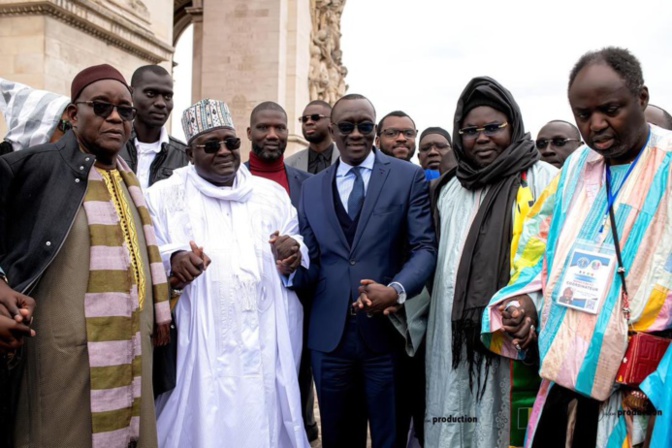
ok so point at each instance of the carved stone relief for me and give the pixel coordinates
(326, 78)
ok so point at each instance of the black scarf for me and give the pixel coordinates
(486, 258)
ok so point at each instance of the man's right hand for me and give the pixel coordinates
(16, 314)
(187, 265)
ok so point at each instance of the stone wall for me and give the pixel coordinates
(254, 51)
(45, 43)
(245, 51)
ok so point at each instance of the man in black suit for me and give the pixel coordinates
(268, 134)
(321, 151)
(367, 223)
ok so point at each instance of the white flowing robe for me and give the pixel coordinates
(239, 328)
(448, 392)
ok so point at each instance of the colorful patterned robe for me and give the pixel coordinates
(577, 349)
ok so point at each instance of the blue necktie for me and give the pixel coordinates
(356, 199)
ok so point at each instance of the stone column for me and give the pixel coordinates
(253, 51)
(196, 13)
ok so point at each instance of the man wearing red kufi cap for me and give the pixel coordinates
(75, 235)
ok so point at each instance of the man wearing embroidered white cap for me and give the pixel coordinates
(239, 328)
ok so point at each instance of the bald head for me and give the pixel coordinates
(351, 97)
(658, 116)
(556, 141)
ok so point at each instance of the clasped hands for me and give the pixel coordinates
(16, 316)
(188, 265)
(375, 298)
(520, 320)
(287, 253)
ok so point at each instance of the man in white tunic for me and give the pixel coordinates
(239, 328)
(477, 400)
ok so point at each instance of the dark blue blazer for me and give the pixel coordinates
(394, 241)
(295, 178)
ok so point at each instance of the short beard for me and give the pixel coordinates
(257, 150)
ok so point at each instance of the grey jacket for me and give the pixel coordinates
(300, 159)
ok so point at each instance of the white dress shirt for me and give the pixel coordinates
(345, 179)
(146, 154)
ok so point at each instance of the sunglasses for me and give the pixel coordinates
(346, 128)
(313, 117)
(393, 133)
(557, 142)
(104, 110)
(212, 146)
(63, 126)
(489, 130)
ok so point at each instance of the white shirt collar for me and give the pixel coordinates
(344, 168)
(163, 138)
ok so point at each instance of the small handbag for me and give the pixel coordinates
(644, 353)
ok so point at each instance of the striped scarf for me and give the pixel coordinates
(114, 302)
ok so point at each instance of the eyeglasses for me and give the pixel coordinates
(63, 125)
(488, 129)
(104, 110)
(393, 133)
(313, 117)
(439, 146)
(212, 146)
(557, 142)
(346, 128)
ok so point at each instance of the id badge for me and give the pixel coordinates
(587, 278)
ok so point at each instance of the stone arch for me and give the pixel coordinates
(181, 17)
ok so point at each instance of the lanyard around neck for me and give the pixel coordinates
(612, 195)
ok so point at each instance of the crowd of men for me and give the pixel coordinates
(155, 293)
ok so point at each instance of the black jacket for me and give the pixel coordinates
(41, 190)
(173, 155)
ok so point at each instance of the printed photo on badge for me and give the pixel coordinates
(587, 278)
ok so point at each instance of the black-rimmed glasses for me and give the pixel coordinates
(313, 117)
(104, 109)
(557, 142)
(346, 127)
(489, 130)
(393, 133)
(212, 146)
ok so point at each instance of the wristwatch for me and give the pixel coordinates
(401, 292)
